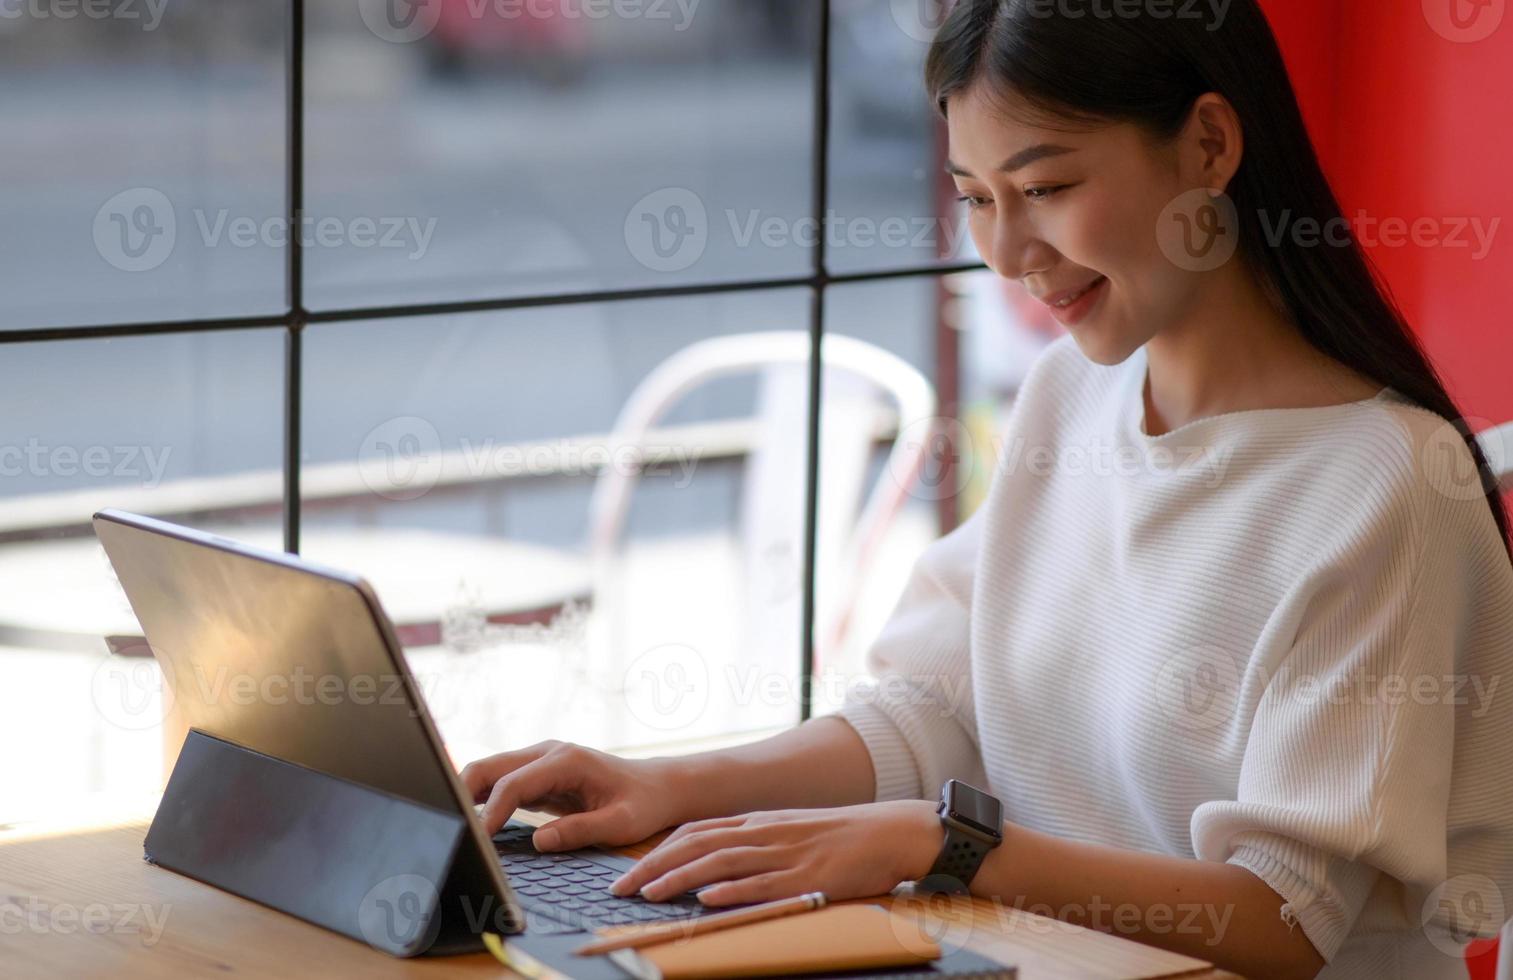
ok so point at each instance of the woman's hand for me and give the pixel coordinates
(599, 798)
(845, 852)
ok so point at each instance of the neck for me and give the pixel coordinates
(1232, 351)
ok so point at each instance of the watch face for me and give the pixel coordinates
(975, 808)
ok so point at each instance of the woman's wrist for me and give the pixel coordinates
(688, 786)
(920, 839)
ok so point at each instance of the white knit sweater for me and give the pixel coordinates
(1279, 638)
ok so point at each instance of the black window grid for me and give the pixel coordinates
(296, 318)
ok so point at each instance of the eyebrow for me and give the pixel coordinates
(1021, 159)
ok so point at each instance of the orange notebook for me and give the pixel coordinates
(837, 937)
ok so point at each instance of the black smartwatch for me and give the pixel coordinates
(973, 821)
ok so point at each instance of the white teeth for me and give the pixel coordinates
(1074, 298)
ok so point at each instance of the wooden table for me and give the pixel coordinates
(83, 903)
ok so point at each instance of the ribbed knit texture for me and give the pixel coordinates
(1279, 638)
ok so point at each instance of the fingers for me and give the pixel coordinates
(673, 853)
(768, 886)
(546, 775)
(722, 865)
(479, 777)
(699, 826)
(602, 826)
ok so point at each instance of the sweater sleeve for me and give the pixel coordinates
(1376, 755)
(915, 711)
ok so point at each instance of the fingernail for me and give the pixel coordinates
(617, 887)
(547, 838)
(651, 892)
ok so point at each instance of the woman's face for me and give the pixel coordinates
(1061, 211)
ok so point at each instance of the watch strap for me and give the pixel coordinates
(956, 865)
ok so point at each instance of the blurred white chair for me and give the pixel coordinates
(1497, 443)
(852, 519)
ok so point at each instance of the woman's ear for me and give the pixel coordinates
(1212, 143)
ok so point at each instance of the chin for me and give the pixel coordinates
(1103, 348)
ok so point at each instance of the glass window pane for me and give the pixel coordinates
(187, 428)
(143, 170)
(482, 471)
(908, 446)
(500, 149)
(891, 204)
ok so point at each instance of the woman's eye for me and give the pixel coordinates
(1041, 193)
(974, 202)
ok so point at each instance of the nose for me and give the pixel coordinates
(1013, 249)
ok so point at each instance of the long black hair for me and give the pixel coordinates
(1128, 65)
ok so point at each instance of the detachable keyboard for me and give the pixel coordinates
(569, 892)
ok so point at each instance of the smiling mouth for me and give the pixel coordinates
(1074, 297)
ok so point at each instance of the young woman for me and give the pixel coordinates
(1228, 632)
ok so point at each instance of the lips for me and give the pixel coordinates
(1068, 296)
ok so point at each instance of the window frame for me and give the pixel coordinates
(297, 317)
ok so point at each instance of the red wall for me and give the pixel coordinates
(1413, 125)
